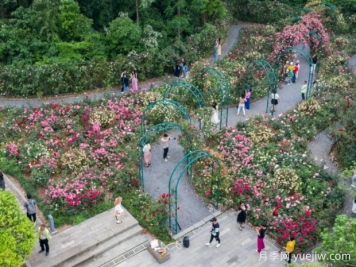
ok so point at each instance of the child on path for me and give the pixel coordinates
(241, 105)
(261, 231)
(214, 233)
(43, 236)
(165, 144)
(216, 47)
(118, 209)
(30, 206)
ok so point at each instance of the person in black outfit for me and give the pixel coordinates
(177, 70)
(315, 61)
(2, 181)
(215, 230)
(241, 215)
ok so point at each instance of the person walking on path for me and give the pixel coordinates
(241, 105)
(241, 215)
(165, 144)
(147, 155)
(134, 81)
(215, 116)
(274, 100)
(214, 233)
(182, 68)
(43, 236)
(186, 71)
(122, 80)
(285, 68)
(248, 97)
(216, 47)
(2, 181)
(219, 48)
(30, 206)
(261, 231)
(297, 72)
(304, 90)
(290, 248)
(315, 61)
(118, 209)
(353, 180)
(177, 70)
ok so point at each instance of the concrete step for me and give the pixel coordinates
(115, 246)
(82, 238)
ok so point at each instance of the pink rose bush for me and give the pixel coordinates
(77, 151)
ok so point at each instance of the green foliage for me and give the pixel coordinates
(16, 232)
(261, 11)
(124, 36)
(74, 26)
(340, 241)
(151, 214)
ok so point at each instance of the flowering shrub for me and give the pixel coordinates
(286, 180)
(68, 198)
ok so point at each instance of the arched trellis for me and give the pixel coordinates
(174, 180)
(164, 102)
(224, 91)
(307, 57)
(270, 75)
(198, 96)
(153, 131)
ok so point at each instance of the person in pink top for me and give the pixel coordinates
(134, 81)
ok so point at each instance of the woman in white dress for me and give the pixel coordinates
(118, 209)
(215, 117)
(147, 155)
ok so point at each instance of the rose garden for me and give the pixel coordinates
(76, 158)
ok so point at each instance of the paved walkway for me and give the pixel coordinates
(238, 248)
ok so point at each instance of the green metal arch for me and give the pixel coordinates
(317, 36)
(224, 88)
(270, 74)
(190, 158)
(152, 131)
(165, 102)
(199, 97)
(307, 57)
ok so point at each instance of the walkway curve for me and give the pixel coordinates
(232, 39)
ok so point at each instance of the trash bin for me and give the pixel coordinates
(186, 242)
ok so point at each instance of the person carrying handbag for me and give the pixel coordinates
(215, 231)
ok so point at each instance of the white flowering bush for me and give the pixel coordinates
(285, 179)
(102, 116)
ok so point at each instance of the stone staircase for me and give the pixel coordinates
(82, 244)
